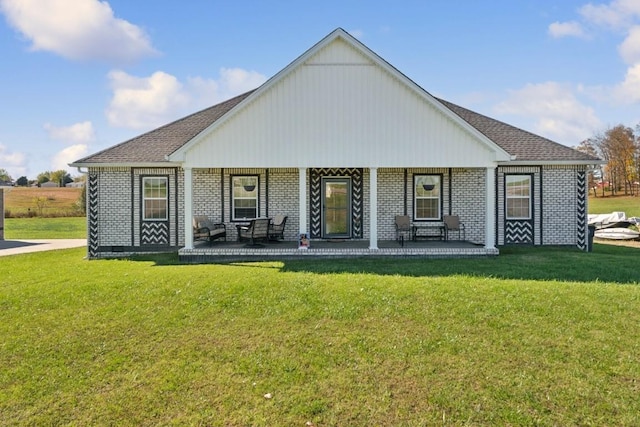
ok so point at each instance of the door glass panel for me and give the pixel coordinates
(336, 208)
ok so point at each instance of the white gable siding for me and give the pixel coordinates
(339, 109)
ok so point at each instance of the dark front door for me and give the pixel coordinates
(336, 207)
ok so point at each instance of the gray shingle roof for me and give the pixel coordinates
(520, 143)
(153, 146)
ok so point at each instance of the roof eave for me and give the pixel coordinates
(551, 162)
(123, 165)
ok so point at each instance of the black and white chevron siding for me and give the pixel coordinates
(582, 211)
(154, 233)
(519, 232)
(92, 214)
(315, 194)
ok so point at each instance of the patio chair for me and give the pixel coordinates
(205, 229)
(258, 229)
(452, 223)
(276, 228)
(403, 225)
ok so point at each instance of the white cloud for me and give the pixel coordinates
(630, 48)
(628, 92)
(148, 102)
(555, 111)
(566, 29)
(140, 103)
(77, 133)
(13, 162)
(78, 29)
(70, 154)
(617, 15)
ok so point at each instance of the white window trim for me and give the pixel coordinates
(438, 198)
(234, 198)
(507, 196)
(165, 198)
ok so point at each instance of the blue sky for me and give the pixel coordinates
(77, 76)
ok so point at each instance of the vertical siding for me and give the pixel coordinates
(339, 110)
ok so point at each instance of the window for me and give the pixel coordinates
(518, 196)
(154, 196)
(244, 197)
(427, 193)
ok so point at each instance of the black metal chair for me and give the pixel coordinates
(257, 230)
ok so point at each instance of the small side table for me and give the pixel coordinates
(428, 231)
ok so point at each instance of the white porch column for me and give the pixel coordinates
(490, 206)
(373, 208)
(188, 208)
(302, 200)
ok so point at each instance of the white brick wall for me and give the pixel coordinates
(468, 198)
(555, 200)
(283, 199)
(559, 207)
(114, 200)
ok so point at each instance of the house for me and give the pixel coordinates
(341, 142)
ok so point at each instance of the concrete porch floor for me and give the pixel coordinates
(241, 251)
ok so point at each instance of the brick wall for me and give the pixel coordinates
(468, 200)
(560, 205)
(115, 205)
(117, 191)
(283, 199)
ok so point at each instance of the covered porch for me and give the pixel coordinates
(202, 252)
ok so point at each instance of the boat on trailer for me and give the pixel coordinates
(617, 233)
(614, 226)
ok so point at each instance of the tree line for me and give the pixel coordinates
(60, 177)
(619, 147)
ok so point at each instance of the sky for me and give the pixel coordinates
(78, 76)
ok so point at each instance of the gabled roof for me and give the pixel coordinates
(155, 147)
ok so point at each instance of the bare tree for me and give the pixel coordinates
(617, 146)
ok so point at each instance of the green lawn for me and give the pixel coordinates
(45, 228)
(536, 336)
(627, 204)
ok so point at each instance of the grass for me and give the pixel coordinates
(32, 201)
(536, 336)
(629, 205)
(45, 228)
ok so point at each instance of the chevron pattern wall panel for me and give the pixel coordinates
(154, 233)
(315, 193)
(582, 211)
(519, 232)
(92, 214)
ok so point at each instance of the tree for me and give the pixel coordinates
(619, 147)
(588, 147)
(61, 177)
(44, 177)
(22, 181)
(4, 175)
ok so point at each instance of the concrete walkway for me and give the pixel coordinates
(15, 247)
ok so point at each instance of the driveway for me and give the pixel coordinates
(15, 247)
